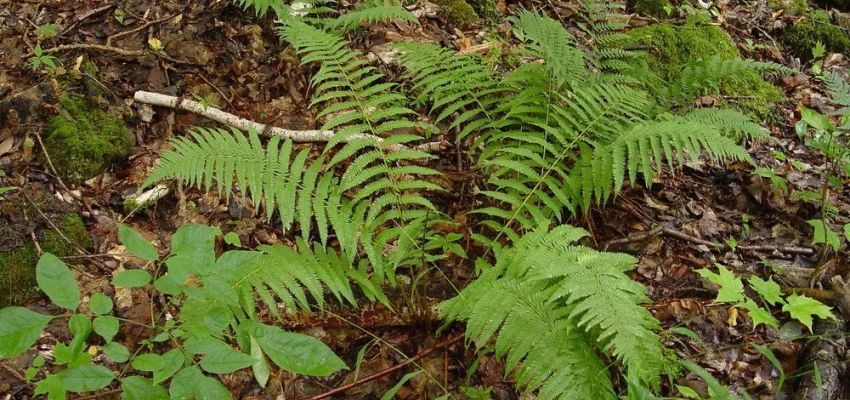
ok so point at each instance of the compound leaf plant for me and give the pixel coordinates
(211, 333)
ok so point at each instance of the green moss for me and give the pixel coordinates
(17, 266)
(674, 47)
(802, 36)
(83, 140)
(791, 7)
(483, 8)
(655, 8)
(459, 11)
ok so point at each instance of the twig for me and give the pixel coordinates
(59, 178)
(33, 236)
(307, 136)
(110, 49)
(388, 371)
(15, 374)
(86, 16)
(677, 234)
(137, 29)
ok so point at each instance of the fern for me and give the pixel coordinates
(838, 91)
(279, 272)
(548, 40)
(262, 7)
(371, 12)
(700, 76)
(460, 87)
(357, 100)
(578, 303)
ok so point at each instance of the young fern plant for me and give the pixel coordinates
(578, 303)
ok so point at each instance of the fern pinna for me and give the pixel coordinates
(580, 306)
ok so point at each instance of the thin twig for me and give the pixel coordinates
(15, 374)
(390, 370)
(677, 234)
(59, 178)
(137, 29)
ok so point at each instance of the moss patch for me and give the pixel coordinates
(674, 47)
(655, 8)
(17, 265)
(83, 140)
(791, 7)
(459, 11)
(802, 36)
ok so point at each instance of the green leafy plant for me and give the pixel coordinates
(731, 290)
(47, 31)
(831, 140)
(4, 190)
(215, 331)
(41, 59)
(578, 302)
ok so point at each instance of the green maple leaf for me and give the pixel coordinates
(759, 315)
(768, 289)
(802, 308)
(731, 288)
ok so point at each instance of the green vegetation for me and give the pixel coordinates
(816, 27)
(655, 8)
(791, 7)
(82, 141)
(674, 47)
(459, 11)
(17, 266)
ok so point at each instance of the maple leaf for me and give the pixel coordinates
(731, 288)
(768, 289)
(802, 308)
(759, 315)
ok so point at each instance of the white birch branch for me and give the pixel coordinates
(226, 118)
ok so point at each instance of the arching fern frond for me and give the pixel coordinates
(703, 75)
(460, 89)
(732, 123)
(371, 12)
(838, 91)
(357, 99)
(563, 292)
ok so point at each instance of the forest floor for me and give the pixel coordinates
(215, 51)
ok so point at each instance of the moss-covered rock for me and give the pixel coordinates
(82, 141)
(18, 254)
(655, 8)
(791, 7)
(674, 47)
(459, 11)
(816, 27)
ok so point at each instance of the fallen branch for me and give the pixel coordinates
(389, 370)
(307, 136)
(677, 234)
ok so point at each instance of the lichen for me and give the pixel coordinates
(82, 141)
(816, 27)
(459, 11)
(790, 7)
(654, 8)
(674, 47)
(17, 266)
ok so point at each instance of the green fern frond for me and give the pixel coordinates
(459, 88)
(700, 76)
(214, 158)
(358, 99)
(548, 40)
(562, 292)
(371, 12)
(732, 123)
(277, 274)
(644, 149)
(839, 92)
(262, 7)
